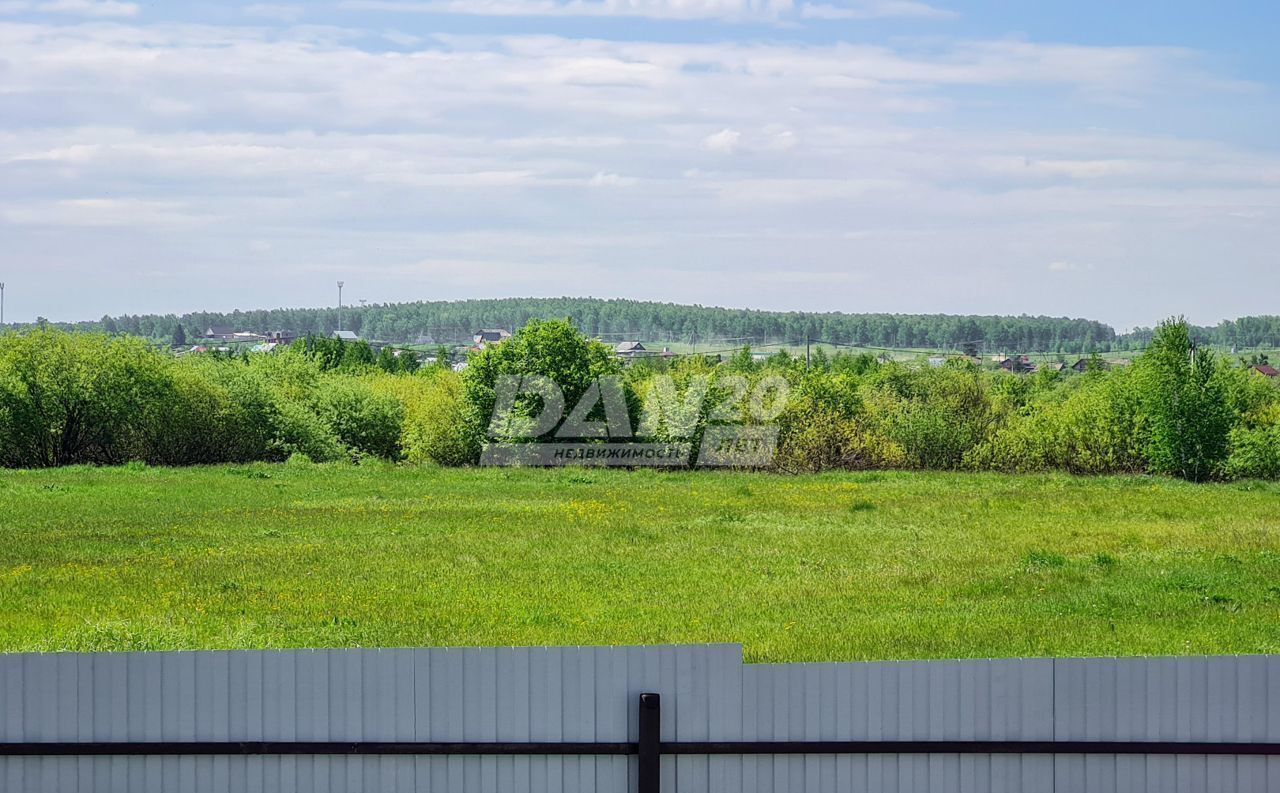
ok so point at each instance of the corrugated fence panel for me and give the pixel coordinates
(937, 700)
(1222, 699)
(592, 695)
(491, 694)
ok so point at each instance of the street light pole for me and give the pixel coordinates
(340, 285)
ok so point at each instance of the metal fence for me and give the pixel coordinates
(572, 719)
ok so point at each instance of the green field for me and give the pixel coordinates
(829, 567)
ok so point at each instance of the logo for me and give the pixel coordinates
(728, 422)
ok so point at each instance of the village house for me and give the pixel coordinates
(284, 337)
(1266, 370)
(1082, 365)
(628, 350)
(345, 335)
(220, 333)
(487, 336)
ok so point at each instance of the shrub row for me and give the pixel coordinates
(86, 398)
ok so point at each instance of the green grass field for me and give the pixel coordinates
(829, 567)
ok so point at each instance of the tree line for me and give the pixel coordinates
(95, 398)
(453, 322)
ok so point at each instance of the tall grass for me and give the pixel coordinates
(814, 567)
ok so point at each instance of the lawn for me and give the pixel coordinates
(830, 567)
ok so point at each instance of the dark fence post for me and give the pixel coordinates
(650, 776)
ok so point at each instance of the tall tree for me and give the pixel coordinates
(1183, 397)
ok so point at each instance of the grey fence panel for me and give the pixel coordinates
(592, 694)
(1222, 699)
(945, 700)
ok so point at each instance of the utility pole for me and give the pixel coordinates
(806, 351)
(340, 285)
(1, 303)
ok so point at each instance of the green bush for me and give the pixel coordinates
(673, 409)
(815, 427)
(1255, 453)
(212, 411)
(75, 398)
(299, 431)
(1183, 396)
(1090, 427)
(936, 416)
(365, 421)
(434, 416)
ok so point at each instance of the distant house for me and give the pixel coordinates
(937, 361)
(1019, 363)
(220, 333)
(268, 346)
(345, 335)
(285, 337)
(1082, 365)
(1267, 370)
(246, 336)
(1055, 366)
(486, 336)
(630, 349)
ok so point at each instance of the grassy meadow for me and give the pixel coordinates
(825, 567)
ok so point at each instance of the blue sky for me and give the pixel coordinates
(1115, 161)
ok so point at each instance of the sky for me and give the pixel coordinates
(1117, 161)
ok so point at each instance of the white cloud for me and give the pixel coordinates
(14, 6)
(874, 10)
(724, 10)
(724, 142)
(277, 154)
(780, 138)
(282, 13)
(100, 212)
(602, 179)
(661, 9)
(401, 38)
(90, 8)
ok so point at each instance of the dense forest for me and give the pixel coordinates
(450, 322)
